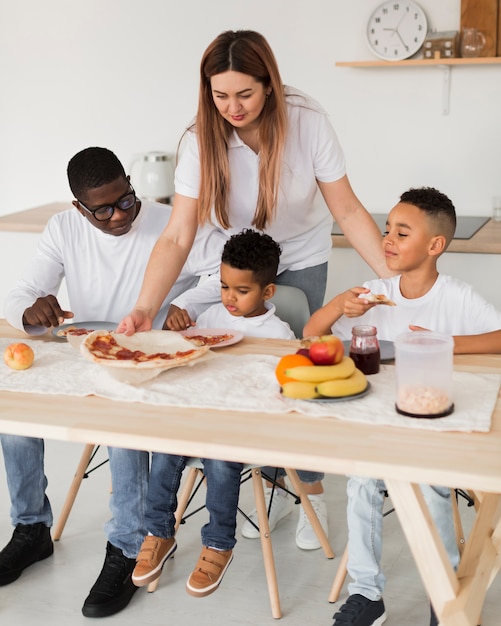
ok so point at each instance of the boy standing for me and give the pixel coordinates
(249, 265)
(418, 230)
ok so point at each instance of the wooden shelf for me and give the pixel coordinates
(422, 62)
(444, 64)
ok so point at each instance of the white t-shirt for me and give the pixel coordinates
(451, 307)
(266, 325)
(312, 152)
(103, 272)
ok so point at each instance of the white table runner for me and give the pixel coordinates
(244, 383)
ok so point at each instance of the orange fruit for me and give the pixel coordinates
(287, 361)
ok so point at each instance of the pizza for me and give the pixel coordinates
(378, 298)
(73, 330)
(209, 340)
(152, 349)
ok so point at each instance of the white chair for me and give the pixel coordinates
(292, 307)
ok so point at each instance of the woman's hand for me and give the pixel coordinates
(138, 320)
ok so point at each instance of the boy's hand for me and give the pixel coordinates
(352, 305)
(177, 319)
(45, 312)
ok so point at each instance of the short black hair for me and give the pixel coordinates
(437, 206)
(91, 168)
(251, 250)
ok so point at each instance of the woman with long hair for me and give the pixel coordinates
(256, 156)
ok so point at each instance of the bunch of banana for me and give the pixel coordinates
(319, 381)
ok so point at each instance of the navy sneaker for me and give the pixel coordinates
(113, 588)
(433, 617)
(360, 611)
(29, 543)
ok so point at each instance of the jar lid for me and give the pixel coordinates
(364, 330)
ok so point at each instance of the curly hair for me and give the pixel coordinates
(436, 205)
(250, 250)
(91, 168)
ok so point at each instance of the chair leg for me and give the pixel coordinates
(340, 577)
(458, 526)
(182, 503)
(265, 535)
(308, 509)
(73, 491)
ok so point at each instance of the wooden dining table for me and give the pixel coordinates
(403, 457)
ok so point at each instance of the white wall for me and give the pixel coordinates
(124, 74)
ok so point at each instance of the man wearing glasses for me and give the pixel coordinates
(101, 250)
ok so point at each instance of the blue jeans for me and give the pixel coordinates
(312, 280)
(365, 531)
(129, 479)
(304, 476)
(27, 483)
(223, 490)
(26, 480)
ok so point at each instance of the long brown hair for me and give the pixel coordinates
(247, 52)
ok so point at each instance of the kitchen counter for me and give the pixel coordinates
(32, 220)
(487, 240)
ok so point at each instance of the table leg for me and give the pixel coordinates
(457, 597)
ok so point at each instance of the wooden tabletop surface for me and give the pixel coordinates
(472, 460)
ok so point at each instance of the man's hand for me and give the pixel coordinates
(177, 319)
(45, 312)
(137, 321)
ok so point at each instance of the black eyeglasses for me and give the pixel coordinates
(124, 203)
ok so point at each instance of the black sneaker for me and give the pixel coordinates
(113, 588)
(433, 617)
(30, 543)
(359, 611)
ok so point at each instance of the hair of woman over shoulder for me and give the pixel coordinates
(247, 52)
(91, 168)
(437, 206)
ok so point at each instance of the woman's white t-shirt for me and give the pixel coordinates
(312, 152)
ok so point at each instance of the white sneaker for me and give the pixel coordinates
(306, 539)
(281, 506)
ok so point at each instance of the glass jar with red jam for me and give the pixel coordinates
(364, 348)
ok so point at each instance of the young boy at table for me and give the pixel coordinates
(248, 270)
(101, 247)
(418, 230)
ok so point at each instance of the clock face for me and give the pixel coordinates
(396, 30)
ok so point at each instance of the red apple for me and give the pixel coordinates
(18, 356)
(304, 352)
(326, 350)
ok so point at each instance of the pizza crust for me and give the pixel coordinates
(378, 298)
(151, 343)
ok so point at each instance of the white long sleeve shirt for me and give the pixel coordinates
(103, 272)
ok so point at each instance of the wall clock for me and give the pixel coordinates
(396, 30)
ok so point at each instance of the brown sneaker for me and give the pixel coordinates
(151, 558)
(209, 572)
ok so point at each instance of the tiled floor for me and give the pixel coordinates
(52, 592)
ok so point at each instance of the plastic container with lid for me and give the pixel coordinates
(424, 366)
